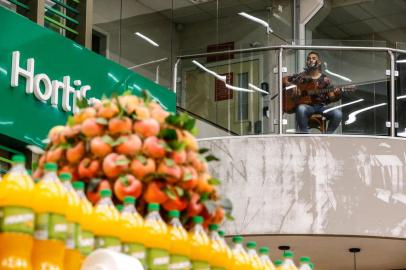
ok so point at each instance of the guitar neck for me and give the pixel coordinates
(323, 91)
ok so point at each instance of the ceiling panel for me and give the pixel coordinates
(363, 27)
(347, 14)
(395, 20)
(333, 32)
(383, 7)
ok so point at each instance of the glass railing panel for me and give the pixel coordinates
(401, 90)
(231, 91)
(361, 106)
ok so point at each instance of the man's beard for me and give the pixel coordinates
(312, 67)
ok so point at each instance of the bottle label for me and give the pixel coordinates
(200, 265)
(135, 250)
(72, 238)
(112, 243)
(50, 226)
(179, 262)
(16, 219)
(157, 259)
(218, 268)
(86, 242)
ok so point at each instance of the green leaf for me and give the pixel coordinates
(71, 121)
(173, 119)
(189, 124)
(122, 161)
(194, 131)
(214, 181)
(119, 141)
(146, 96)
(211, 158)
(65, 146)
(179, 191)
(169, 162)
(101, 121)
(107, 139)
(93, 184)
(226, 204)
(165, 146)
(142, 159)
(128, 92)
(229, 217)
(124, 180)
(82, 103)
(187, 176)
(210, 206)
(177, 145)
(170, 194)
(168, 134)
(203, 150)
(204, 197)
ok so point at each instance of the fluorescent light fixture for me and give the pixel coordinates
(401, 97)
(290, 87)
(235, 88)
(219, 77)
(257, 89)
(401, 61)
(343, 105)
(352, 116)
(257, 20)
(147, 39)
(336, 75)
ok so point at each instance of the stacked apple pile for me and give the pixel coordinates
(133, 146)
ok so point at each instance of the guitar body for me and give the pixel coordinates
(291, 101)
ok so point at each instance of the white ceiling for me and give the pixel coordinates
(184, 11)
(331, 252)
(362, 18)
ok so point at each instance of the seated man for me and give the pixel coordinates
(307, 95)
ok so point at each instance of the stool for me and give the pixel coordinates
(319, 122)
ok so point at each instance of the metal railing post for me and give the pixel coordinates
(392, 132)
(280, 89)
(157, 74)
(175, 75)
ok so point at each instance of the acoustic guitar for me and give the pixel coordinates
(307, 94)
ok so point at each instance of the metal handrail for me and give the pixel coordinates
(293, 47)
(281, 48)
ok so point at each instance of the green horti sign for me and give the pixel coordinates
(43, 74)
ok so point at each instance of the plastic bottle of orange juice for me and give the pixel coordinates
(180, 246)
(253, 257)
(278, 264)
(240, 257)
(156, 239)
(305, 263)
(219, 251)
(50, 204)
(201, 247)
(119, 207)
(86, 235)
(230, 259)
(266, 261)
(106, 223)
(132, 231)
(288, 263)
(73, 258)
(16, 217)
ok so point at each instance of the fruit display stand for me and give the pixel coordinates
(131, 145)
